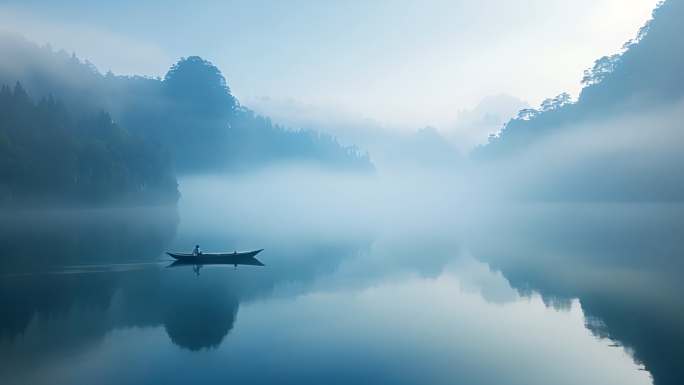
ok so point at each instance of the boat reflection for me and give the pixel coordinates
(247, 260)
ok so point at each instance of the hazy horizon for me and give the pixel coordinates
(381, 192)
(445, 56)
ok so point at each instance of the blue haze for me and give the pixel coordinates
(552, 254)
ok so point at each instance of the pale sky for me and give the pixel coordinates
(401, 63)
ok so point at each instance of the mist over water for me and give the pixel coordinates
(537, 248)
(339, 285)
(371, 271)
(617, 262)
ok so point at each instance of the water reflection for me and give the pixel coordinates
(245, 261)
(50, 259)
(80, 278)
(70, 277)
(623, 261)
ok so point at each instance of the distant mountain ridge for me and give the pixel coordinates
(191, 111)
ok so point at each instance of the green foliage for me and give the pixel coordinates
(206, 128)
(254, 141)
(199, 87)
(191, 111)
(601, 68)
(557, 102)
(646, 75)
(608, 64)
(47, 157)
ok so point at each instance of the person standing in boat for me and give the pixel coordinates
(196, 251)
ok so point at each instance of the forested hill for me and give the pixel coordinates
(646, 76)
(621, 141)
(191, 111)
(49, 158)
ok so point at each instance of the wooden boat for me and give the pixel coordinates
(242, 258)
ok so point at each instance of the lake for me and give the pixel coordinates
(363, 283)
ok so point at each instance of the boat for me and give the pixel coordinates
(242, 258)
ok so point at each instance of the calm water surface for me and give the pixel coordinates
(527, 294)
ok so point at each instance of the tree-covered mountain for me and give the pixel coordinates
(48, 157)
(622, 139)
(647, 75)
(191, 111)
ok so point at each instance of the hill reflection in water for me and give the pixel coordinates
(399, 295)
(105, 270)
(622, 261)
